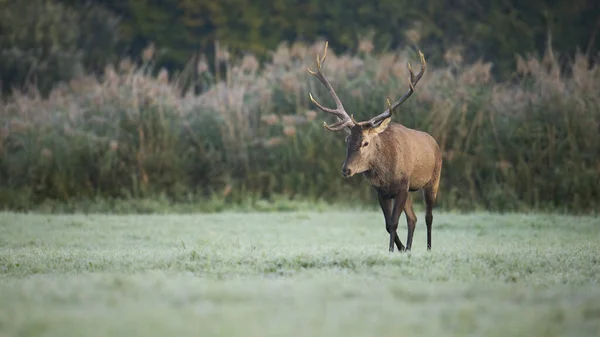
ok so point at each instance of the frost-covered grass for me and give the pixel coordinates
(297, 274)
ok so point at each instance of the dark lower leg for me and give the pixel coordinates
(429, 221)
(386, 208)
(430, 195)
(394, 239)
(399, 243)
(393, 236)
(409, 236)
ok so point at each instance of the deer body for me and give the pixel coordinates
(396, 160)
(403, 154)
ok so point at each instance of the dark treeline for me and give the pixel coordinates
(44, 41)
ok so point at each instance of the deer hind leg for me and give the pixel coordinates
(430, 195)
(411, 221)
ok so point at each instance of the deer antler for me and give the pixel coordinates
(339, 111)
(412, 82)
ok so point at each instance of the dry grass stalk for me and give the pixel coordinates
(459, 104)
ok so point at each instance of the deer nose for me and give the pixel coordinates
(346, 172)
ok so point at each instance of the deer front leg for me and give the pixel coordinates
(386, 208)
(399, 202)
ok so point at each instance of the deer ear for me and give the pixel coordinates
(382, 126)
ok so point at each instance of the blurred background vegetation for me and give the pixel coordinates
(206, 102)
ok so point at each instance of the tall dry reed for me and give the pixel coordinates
(529, 143)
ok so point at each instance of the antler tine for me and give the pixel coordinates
(412, 82)
(343, 119)
(338, 125)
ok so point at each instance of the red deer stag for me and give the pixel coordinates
(396, 159)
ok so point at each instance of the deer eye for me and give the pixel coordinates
(365, 144)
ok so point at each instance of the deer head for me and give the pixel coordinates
(363, 137)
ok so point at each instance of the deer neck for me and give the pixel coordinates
(379, 174)
(384, 168)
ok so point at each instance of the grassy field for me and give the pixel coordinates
(297, 274)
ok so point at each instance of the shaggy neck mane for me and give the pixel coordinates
(380, 171)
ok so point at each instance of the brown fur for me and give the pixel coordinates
(397, 160)
(395, 154)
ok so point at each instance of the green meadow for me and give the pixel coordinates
(298, 274)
